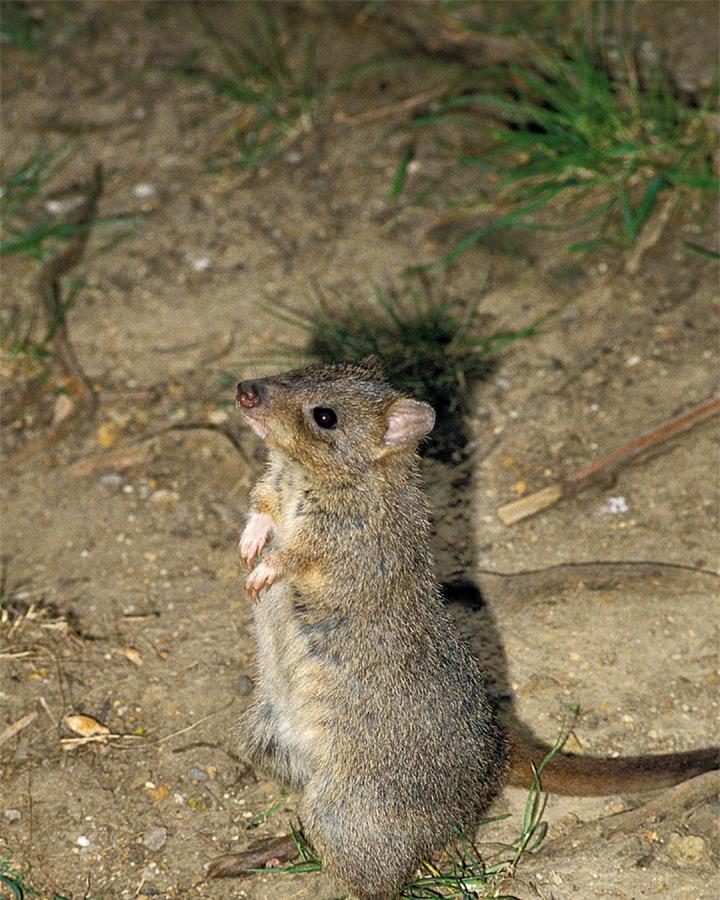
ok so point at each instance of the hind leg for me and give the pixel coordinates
(371, 855)
(257, 740)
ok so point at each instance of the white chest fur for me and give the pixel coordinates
(289, 680)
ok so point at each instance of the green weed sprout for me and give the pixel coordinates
(561, 136)
(16, 883)
(279, 94)
(24, 232)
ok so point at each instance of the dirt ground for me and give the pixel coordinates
(119, 539)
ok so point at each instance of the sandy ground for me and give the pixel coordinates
(125, 600)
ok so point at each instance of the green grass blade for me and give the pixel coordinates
(646, 205)
(514, 219)
(387, 307)
(702, 251)
(406, 156)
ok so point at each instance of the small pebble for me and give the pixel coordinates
(13, 815)
(164, 497)
(82, 841)
(202, 264)
(143, 190)
(615, 505)
(154, 838)
(686, 850)
(197, 774)
(58, 207)
(112, 479)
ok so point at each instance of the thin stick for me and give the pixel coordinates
(135, 453)
(17, 727)
(606, 465)
(174, 734)
(382, 112)
(50, 288)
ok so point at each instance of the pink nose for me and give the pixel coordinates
(247, 395)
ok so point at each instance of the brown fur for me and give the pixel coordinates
(367, 700)
(589, 776)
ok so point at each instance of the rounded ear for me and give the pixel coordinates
(407, 421)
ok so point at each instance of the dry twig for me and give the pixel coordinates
(50, 286)
(137, 452)
(17, 727)
(391, 109)
(604, 467)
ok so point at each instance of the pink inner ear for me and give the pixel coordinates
(407, 422)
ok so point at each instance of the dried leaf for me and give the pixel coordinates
(86, 726)
(133, 655)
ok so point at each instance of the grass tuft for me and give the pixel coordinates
(277, 101)
(21, 197)
(428, 345)
(571, 141)
(275, 82)
(25, 231)
(472, 875)
(507, 20)
(430, 348)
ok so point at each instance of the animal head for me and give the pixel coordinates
(341, 417)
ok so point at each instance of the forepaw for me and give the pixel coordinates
(261, 577)
(254, 537)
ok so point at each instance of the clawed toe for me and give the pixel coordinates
(262, 576)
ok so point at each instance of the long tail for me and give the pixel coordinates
(587, 776)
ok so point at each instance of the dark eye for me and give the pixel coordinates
(325, 417)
